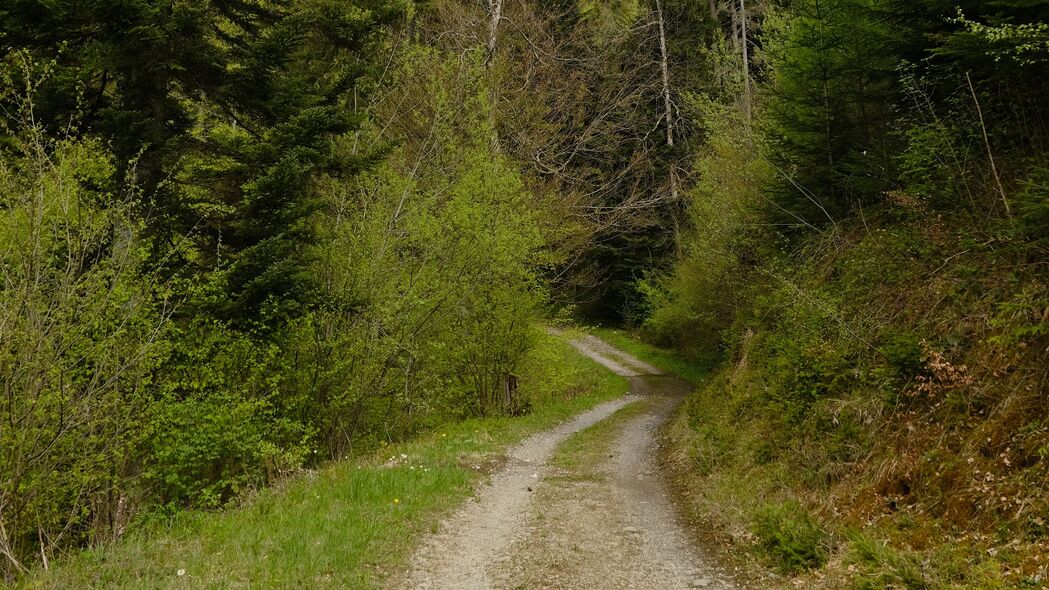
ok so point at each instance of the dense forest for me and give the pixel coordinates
(240, 238)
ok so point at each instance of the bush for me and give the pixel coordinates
(904, 355)
(222, 422)
(82, 330)
(690, 306)
(1032, 207)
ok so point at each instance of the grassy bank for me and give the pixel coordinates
(853, 494)
(347, 525)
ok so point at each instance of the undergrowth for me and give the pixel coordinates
(348, 525)
(878, 418)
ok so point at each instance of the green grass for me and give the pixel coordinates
(589, 447)
(694, 372)
(347, 525)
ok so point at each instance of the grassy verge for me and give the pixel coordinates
(344, 526)
(780, 514)
(667, 360)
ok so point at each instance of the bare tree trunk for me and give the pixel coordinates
(495, 14)
(668, 111)
(733, 16)
(746, 59)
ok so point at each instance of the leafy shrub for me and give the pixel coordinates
(791, 537)
(81, 330)
(805, 373)
(691, 306)
(935, 164)
(903, 354)
(217, 427)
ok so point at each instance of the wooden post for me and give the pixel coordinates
(509, 392)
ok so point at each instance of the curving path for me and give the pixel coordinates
(604, 522)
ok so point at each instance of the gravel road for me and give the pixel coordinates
(602, 524)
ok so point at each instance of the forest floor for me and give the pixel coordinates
(582, 505)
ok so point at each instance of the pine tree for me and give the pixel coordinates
(225, 110)
(1002, 46)
(831, 97)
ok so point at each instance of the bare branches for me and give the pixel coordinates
(987, 144)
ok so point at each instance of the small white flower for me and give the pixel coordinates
(180, 573)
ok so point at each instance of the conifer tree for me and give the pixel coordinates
(226, 110)
(831, 98)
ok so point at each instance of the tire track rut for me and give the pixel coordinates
(605, 524)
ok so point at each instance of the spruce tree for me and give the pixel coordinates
(223, 110)
(831, 98)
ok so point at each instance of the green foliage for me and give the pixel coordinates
(869, 262)
(312, 309)
(690, 306)
(805, 369)
(222, 422)
(972, 68)
(1032, 207)
(936, 164)
(346, 524)
(609, 18)
(1027, 43)
(830, 100)
(1021, 320)
(82, 330)
(903, 355)
(228, 110)
(791, 537)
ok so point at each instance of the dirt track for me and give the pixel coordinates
(602, 522)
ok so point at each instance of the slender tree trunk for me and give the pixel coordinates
(746, 59)
(668, 111)
(495, 14)
(665, 70)
(733, 16)
(990, 154)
